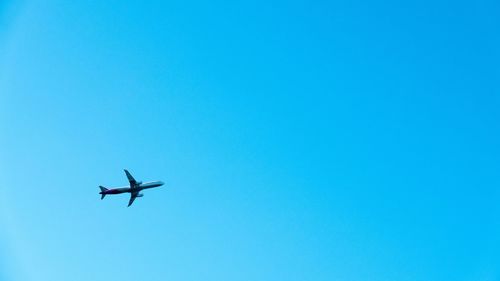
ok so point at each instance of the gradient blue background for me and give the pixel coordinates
(299, 140)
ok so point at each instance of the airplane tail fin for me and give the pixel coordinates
(103, 190)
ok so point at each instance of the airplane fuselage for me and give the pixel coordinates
(136, 188)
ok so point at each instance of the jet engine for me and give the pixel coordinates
(140, 195)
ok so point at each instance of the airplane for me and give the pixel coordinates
(135, 188)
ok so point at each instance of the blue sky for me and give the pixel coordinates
(299, 140)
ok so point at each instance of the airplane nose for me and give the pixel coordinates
(161, 183)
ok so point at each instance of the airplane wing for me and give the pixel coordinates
(133, 195)
(131, 179)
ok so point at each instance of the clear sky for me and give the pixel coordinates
(298, 140)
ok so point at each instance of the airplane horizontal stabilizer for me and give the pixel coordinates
(103, 191)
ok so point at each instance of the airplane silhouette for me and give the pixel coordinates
(135, 188)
